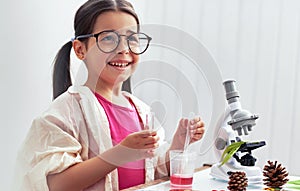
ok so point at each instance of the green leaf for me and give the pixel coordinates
(295, 182)
(229, 151)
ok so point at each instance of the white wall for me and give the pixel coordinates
(257, 42)
(31, 33)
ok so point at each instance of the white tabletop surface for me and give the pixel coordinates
(204, 182)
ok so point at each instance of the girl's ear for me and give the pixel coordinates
(79, 49)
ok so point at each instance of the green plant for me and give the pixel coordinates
(230, 150)
(295, 182)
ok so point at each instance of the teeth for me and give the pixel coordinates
(119, 64)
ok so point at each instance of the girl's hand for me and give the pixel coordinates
(143, 142)
(196, 131)
(135, 146)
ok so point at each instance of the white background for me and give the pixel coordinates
(256, 42)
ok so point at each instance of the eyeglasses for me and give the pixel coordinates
(109, 40)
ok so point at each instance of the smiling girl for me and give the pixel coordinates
(93, 136)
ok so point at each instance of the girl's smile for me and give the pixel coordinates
(120, 65)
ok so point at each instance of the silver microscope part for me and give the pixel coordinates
(240, 119)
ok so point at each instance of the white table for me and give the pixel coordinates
(204, 182)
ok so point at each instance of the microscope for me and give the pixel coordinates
(235, 123)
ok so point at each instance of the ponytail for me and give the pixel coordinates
(61, 71)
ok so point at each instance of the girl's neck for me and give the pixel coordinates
(109, 93)
(112, 93)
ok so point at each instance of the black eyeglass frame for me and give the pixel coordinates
(119, 40)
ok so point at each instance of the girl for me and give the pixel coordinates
(93, 137)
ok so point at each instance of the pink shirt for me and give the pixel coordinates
(124, 121)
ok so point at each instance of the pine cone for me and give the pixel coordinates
(275, 175)
(237, 181)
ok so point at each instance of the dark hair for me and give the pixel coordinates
(84, 22)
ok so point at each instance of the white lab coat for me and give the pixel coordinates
(73, 129)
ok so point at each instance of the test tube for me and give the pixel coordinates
(188, 136)
(150, 118)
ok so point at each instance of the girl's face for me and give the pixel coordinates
(115, 67)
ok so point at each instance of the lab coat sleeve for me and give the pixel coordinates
(47, 150)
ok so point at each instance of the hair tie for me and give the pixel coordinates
(72, 39)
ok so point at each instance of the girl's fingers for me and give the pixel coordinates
(183, 122)
(199, 130)
(147, 133)
(151, 140)
(195, 120)
(151, 146)
(197, 133)
(197, 125)
(197, 137)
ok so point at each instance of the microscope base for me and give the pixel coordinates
(253, 173)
